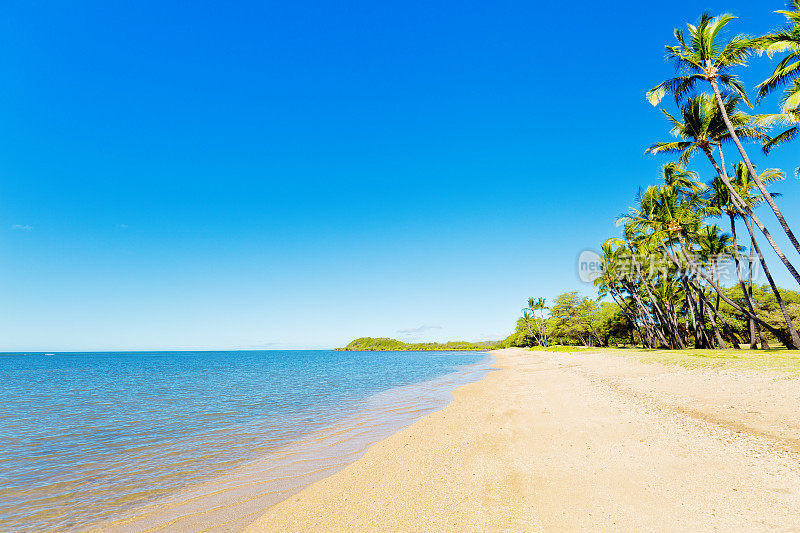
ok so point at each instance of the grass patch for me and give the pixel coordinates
(563, 349)
(775, 360)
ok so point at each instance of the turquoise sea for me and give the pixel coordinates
(89, 438)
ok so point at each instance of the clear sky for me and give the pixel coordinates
(187, 175)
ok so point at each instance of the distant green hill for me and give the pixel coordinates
(368, 344)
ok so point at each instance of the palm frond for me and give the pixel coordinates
(779, 139)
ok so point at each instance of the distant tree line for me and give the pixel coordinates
(384, 344)
(572, 320)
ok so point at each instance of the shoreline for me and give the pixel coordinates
(228, 502)
(418, 350)
(575, 441)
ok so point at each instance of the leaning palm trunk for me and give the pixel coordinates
(711, 317)
(672, 320)
(697, 324)
(759, 333)
(753, 173)
(702, 304)
(665, 326)
(701, 336)
(792, 331)
(745, 210)
(704, 301)
(629, 313)
(775, 331)
(716, 271)
(726, 328)
(745, 293)
(652, 332)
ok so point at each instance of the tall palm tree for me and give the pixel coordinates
(704, 58)
(665, 213)
(700, 127)
(645, 260)
(673, 224)
(720, 202)
(745, 187)
(714, 245)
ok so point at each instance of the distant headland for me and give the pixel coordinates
(384, 344)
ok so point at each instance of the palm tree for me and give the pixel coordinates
(529, 314)
(786, 74)
(787, 71)
(720, 202)
(744, 185)
(541, 305)
(665, 213)
(713, 245)
(617, 278)
(673, 223)
(647, 266)
(703, 58)
(701, 127)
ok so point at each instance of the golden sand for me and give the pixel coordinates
(576, 442)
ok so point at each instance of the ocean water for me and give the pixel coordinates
(161, 437)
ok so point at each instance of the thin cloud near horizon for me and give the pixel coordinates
(418, 331)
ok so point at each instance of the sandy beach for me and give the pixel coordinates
(576, 442)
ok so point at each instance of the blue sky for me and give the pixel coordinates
(187, 175)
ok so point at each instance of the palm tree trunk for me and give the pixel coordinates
(767, 195)
(698, 336)
(759, 333)
(778, 333)
(745, 209)
(714, 310)
(745, 293)
(701, 294)
(792, 331)
(651, 331)
(684, 342)
(726, 328)
(672, 316)
(633, 315)
(630, 314)
(656, 306)
(714, 328)
(690, 304)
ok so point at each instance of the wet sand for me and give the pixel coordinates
(576, 442)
